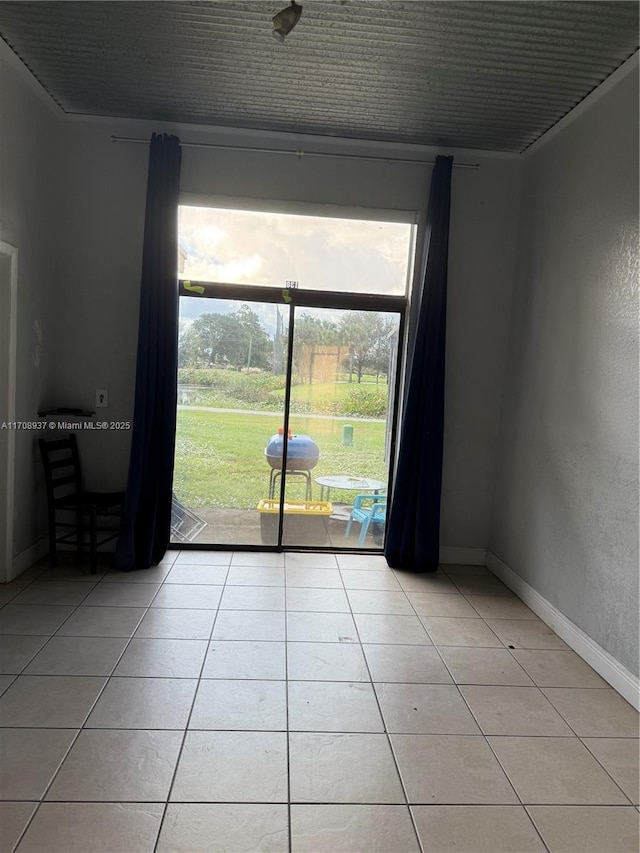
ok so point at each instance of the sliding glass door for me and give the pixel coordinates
(290, 326)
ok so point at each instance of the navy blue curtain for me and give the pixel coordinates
(413, 527)
(146, 521)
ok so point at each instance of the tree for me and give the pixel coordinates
(363, 333)
(235, 339)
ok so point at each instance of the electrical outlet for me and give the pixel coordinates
(102, 399)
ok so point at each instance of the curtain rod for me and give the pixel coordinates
(299, 153)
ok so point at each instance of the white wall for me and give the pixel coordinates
(28, 220)
(103, 212)
(565, 515)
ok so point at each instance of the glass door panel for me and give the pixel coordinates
(340, 417)
(232, 359)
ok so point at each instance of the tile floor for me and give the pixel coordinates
(312, 703)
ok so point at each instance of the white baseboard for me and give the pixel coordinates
(617, 675)
(25, 559)
(463, 556)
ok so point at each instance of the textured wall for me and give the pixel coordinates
(566, 501)
(29, 220)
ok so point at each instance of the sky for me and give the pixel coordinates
(321, 253)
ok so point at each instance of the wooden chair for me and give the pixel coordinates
(367, 509)
(66, 494)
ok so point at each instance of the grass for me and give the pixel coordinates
(220, 458)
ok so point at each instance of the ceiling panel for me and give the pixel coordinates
(486, 75)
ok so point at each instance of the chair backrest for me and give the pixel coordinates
(62, 472)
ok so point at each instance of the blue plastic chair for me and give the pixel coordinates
(367, 509)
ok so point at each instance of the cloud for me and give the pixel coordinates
(251, 247)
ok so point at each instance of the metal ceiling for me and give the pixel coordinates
(486, 75)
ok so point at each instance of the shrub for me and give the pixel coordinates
(365, 402)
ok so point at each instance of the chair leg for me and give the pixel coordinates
(348, 530)
(79, 532)
(93, 541)
(363, 531)
(52, 539)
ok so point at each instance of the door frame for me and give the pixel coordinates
(297, 298)
(6, 559)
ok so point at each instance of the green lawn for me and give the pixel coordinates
(220, 458)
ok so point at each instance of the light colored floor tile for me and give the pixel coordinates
(406, 664)
(257, 558)
(252, 598)
(38, 619)
(17, 651)
(118, 766)
(310, 561)
(256, 576)
(236, 827)
(484, 666)
(30, 757)
(425, 709)
(434, 582)
(189, 596)
(208, 575)
(45, 701)
(55, 592)
(342, 768)
(619, 757)
(174, 623)
(203, 558)
(595, 713)
(232, 767)
(369, 580)
(441, 604)
(9, 591)
(406, 630)
(93, 828)
(352, 829)
(526, 634)
(122, 595)
(78, 656)
(550, 770)
(514, 711)
(317, 600)
(241, 705)
(154, 574)
(380, 601)
(451, 769)
(362, 562)
(318, 578)
(587, 829)
(13, 819)
(170, 557)
(245, 659)
(476, 829)
(326, 662)
(500, 607)
(325, 706)
(249, 625)
(144, 703)
(5, 682)
(102, 622)
(558, 668)
(480, 585)
(455, 631)
(321, 627)
(163, 658)
(69, 568)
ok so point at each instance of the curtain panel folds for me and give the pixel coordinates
(146, 521)
(413, 526)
